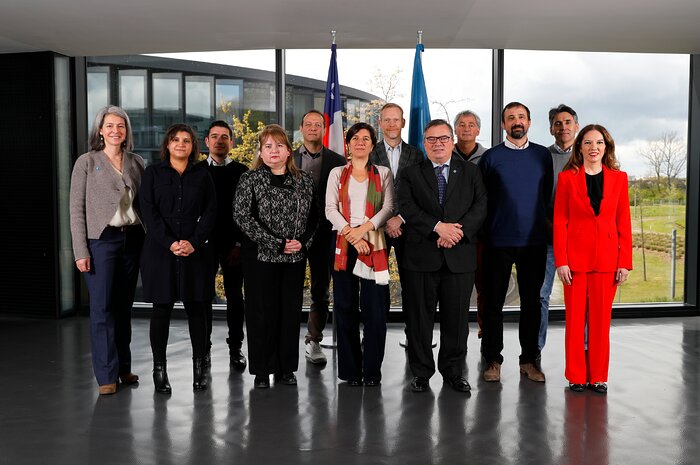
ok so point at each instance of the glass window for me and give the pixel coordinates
(167, 103)
(456, 80)
(199, 103)
(607, 88)
(98, 92)
(133, 99)
(229, 96)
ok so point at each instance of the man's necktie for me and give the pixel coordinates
(442, 183)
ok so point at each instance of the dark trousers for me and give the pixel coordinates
(233, 288)
(320, 258)
(160, 329)
(421, 295)
(273, 302)
(530, 266)
(111, 283)
(356, 301)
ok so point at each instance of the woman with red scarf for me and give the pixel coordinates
(359, 200)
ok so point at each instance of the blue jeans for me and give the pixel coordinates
(545, 292)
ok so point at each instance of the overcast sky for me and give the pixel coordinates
(635, 96)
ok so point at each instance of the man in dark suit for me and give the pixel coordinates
(396, 155)
(443, 201)
(226, 238)
(318, 161)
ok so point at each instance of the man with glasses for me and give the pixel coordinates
(226, 238)
(443, 201)
(518, 178)
(396, 155)
(318, 161)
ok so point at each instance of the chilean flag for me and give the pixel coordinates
(332, 109)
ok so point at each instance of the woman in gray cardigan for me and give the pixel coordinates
(107, 240)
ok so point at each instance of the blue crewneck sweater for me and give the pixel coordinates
(519, 187)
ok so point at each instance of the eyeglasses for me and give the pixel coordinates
(432, 140)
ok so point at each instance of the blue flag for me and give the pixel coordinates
(420, 107)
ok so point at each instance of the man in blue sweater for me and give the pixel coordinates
(518, 178)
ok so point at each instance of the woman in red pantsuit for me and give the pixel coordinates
(592, 252)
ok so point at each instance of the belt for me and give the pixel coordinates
(124, 229)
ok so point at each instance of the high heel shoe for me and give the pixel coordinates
(160, 378)
(199, 374)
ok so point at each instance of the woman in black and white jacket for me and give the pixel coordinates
(274, 208)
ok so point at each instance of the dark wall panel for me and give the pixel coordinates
(27, 225)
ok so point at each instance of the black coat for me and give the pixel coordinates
(173, 208)
(226, 232)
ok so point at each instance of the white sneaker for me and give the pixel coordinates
(314, 354)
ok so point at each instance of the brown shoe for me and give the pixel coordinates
(492, 372)
(128, 378)
(533, 373)
(108, 389)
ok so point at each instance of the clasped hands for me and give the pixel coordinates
(355, 236)
(292, 246)
(182, 248)
(450, 234)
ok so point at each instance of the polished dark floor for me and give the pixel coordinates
(50, 412)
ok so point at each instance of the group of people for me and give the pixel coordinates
(457, 218)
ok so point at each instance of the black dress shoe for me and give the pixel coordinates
(372, 382)
(238, 360)
(354, 382)
(577, 387)
(458, 383)
(261, 382)
(287, 379)
(600, 388)
(419, 384)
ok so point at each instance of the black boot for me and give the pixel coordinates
(199, 374)
(160, 378)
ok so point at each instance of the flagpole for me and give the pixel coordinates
(333, 95)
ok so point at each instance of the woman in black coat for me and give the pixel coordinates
(178, 207)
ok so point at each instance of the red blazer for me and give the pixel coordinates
(586, 242)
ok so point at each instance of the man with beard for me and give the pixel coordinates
(518, 178)
(563, 125)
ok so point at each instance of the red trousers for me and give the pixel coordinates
(591, 293)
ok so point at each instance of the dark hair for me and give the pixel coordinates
(278, 135)
(220, 124)
(171, 133)
(438, 122)
(464, 113)
(514, 105)
(315, 112)
(357, 127)
(561, 109)
(95, 140)
(609, 161)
